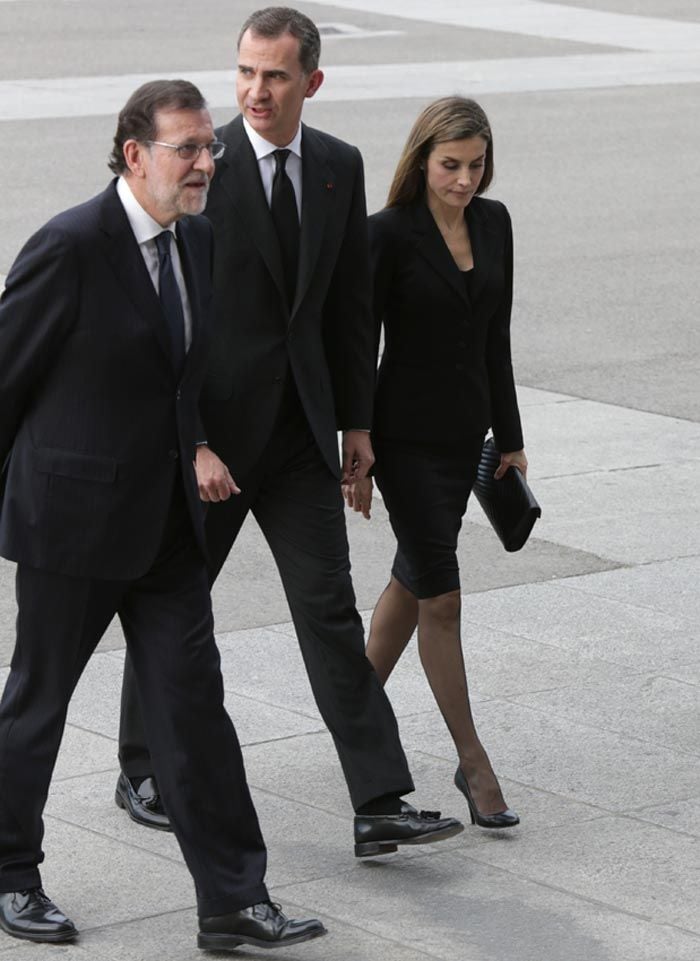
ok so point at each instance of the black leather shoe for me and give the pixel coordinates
(32, 916)
(262, 925)
(382, 833)
(143, 806)
(502, 819)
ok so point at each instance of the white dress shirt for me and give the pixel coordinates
(267, 164)
(146, 229)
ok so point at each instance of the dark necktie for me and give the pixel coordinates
(286, 220)
(170, 300)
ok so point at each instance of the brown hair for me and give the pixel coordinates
(137, 118)
(273, 22)
(450, 118)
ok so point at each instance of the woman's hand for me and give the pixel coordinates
(515, 458)
(358, 495)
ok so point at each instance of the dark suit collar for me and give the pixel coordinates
(431, 245)
(484, 240)
(195, 294)
(240, 178)
(318, 192)
(124, 254)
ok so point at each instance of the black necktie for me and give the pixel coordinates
(286, 219)
(170, 300)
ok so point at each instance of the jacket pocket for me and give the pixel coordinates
(66, 463)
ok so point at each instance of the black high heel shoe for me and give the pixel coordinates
(504, 819)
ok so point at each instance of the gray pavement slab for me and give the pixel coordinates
(671, 587)
(103, 881)
(579, 761)
(636, 706)
(632, 517)
(87, 802)
(266, 666)
(679, 815)
(617, 861)
(603, 438)
(618, 632)
(458, 906)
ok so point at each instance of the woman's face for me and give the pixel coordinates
(454, 169)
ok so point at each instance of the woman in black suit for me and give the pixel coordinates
(443, 265)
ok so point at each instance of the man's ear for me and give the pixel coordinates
(314, 82)
(133, 156)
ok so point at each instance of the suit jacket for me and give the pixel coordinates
(326, 340)
(94, 424)
(446, 368)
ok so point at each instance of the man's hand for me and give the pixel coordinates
(358, 456)
(515, 458)
(213, 478)
(358, 496)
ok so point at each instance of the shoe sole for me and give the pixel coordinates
(121, 803)
(227, 942)
(56, 938)
(374, 848)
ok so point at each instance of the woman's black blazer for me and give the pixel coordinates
(446, 368)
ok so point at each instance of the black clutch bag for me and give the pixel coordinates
(508, 503)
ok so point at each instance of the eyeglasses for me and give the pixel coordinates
(191, 151)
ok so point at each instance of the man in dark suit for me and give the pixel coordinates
(103, 332)
(294, 361)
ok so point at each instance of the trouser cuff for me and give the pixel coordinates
(229, 903)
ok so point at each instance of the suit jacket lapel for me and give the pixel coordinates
(194, 292)
(483, 240)
(127, 261)
(432, 247)
(318, 184)
(240, 179)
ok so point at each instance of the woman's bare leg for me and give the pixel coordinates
(393, 622)
(440, 649)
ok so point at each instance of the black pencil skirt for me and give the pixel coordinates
(425, 490)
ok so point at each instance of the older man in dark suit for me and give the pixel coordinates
(103, 335)
(294, 361)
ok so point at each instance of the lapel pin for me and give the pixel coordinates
(329, 186)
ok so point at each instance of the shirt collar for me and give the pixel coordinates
(142, 224)
(263, 148)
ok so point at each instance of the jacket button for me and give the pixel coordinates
(459, 366)
(178, 395)
(173, 454)
(278, 380)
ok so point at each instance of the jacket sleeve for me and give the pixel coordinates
(505, 418)
(348, 327)
(37, 311)
(381, 247)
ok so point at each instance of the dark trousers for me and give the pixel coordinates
(298, 505)
(167, 622)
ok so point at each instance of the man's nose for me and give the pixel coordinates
(258, 88)
(205, 162)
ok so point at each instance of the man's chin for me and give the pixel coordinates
(194, 205)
